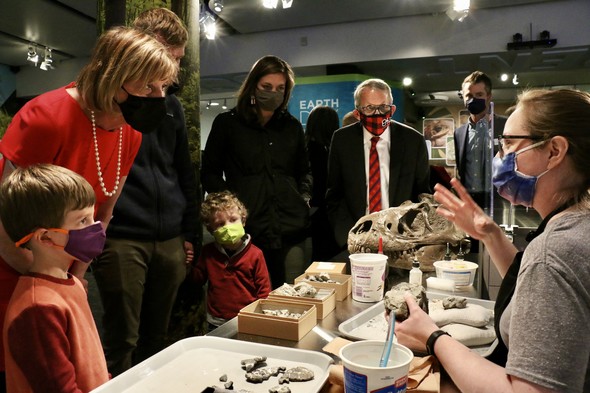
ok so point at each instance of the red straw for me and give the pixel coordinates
(380, 245)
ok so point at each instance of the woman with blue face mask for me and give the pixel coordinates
(544, 300)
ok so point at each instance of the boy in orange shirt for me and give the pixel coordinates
(51, 340)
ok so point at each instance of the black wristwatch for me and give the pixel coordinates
(432, 339)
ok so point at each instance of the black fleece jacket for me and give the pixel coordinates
(159, 200)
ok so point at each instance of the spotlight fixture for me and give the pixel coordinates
(208, 105)
(218, 5)
(47, 63)
(504, 77)
(209, 27)
(459, 11)
(515, 80)
(32, 55)
(407, 81)
(517, 37)
(544, 41)
(224, 106)
(270, 3)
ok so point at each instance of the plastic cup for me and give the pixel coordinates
(368, 276)
(363, 374)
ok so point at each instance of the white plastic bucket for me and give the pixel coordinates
(368, 276)
(362, 373)
(460, 271)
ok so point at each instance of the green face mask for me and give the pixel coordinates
(230, 234)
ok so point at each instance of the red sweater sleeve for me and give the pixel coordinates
(40, 348)
(261, 276)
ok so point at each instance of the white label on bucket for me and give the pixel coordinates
(368, 282)
(357, 383)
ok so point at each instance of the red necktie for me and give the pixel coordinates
(374, 177)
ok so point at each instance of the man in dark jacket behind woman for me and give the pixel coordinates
(257, 150)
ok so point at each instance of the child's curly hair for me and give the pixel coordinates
(221, 201)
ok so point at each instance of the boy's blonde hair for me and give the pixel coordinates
(40, 196)
(219, 202)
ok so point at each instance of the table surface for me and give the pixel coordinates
(325, 330)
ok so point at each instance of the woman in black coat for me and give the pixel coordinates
(257, 150)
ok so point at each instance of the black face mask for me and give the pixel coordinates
(173, 88)
(475, 105)
(143, 113)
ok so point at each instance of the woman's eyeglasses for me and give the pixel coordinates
(502, 141)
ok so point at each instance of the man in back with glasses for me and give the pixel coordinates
(375, 163)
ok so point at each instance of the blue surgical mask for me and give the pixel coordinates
(514, 186)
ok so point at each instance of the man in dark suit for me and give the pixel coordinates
(472, 144)
(402, 158)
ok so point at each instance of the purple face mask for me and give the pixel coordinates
(85, 244)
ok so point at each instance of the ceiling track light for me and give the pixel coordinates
(47, 63)
(218, 5)
(207, 21)
(224, 106)
(32, 55)
(460, 10)
(272, 4)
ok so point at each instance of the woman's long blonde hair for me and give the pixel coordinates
(121, 55)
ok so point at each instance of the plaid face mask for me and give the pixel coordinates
(375, 124)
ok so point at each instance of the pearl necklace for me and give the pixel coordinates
(99, 171)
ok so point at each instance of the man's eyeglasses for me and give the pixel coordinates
(372, 109)
(502, 141)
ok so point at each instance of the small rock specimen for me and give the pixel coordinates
(250, 364)
(285, 313)
(299, 374)
(395, 302)
(454, 302)
(301, 289)
(321, 277)
(279, 389)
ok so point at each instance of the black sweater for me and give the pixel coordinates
(159, 200)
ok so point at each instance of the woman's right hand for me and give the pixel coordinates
(462, 210)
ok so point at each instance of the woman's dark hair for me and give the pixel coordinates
(264, 66)
(321, 124)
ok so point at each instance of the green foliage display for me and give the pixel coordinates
(5, 120)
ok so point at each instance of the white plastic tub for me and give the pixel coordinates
(460, 271)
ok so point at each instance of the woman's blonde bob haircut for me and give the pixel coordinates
(123, 55)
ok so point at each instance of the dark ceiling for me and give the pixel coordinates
(69, 28)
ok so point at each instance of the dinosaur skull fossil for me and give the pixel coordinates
(409, 230)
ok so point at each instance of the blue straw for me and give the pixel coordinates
(388, 343)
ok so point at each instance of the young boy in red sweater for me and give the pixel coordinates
(234, 268)
(50, 339)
